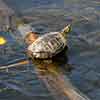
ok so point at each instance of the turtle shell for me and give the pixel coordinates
(48, 45)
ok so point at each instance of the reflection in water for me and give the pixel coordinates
(48, 71)
(53, 74)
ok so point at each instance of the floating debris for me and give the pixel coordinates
(2, 40)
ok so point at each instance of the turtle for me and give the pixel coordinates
(50, 44)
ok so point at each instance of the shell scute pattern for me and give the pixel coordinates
(48, 45)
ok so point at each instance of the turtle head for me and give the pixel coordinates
(66, 30)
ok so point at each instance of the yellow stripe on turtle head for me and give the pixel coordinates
(2, 40)
(65, 31)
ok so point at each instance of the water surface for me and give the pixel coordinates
(83, 53)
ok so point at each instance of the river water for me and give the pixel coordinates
(80, 62)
